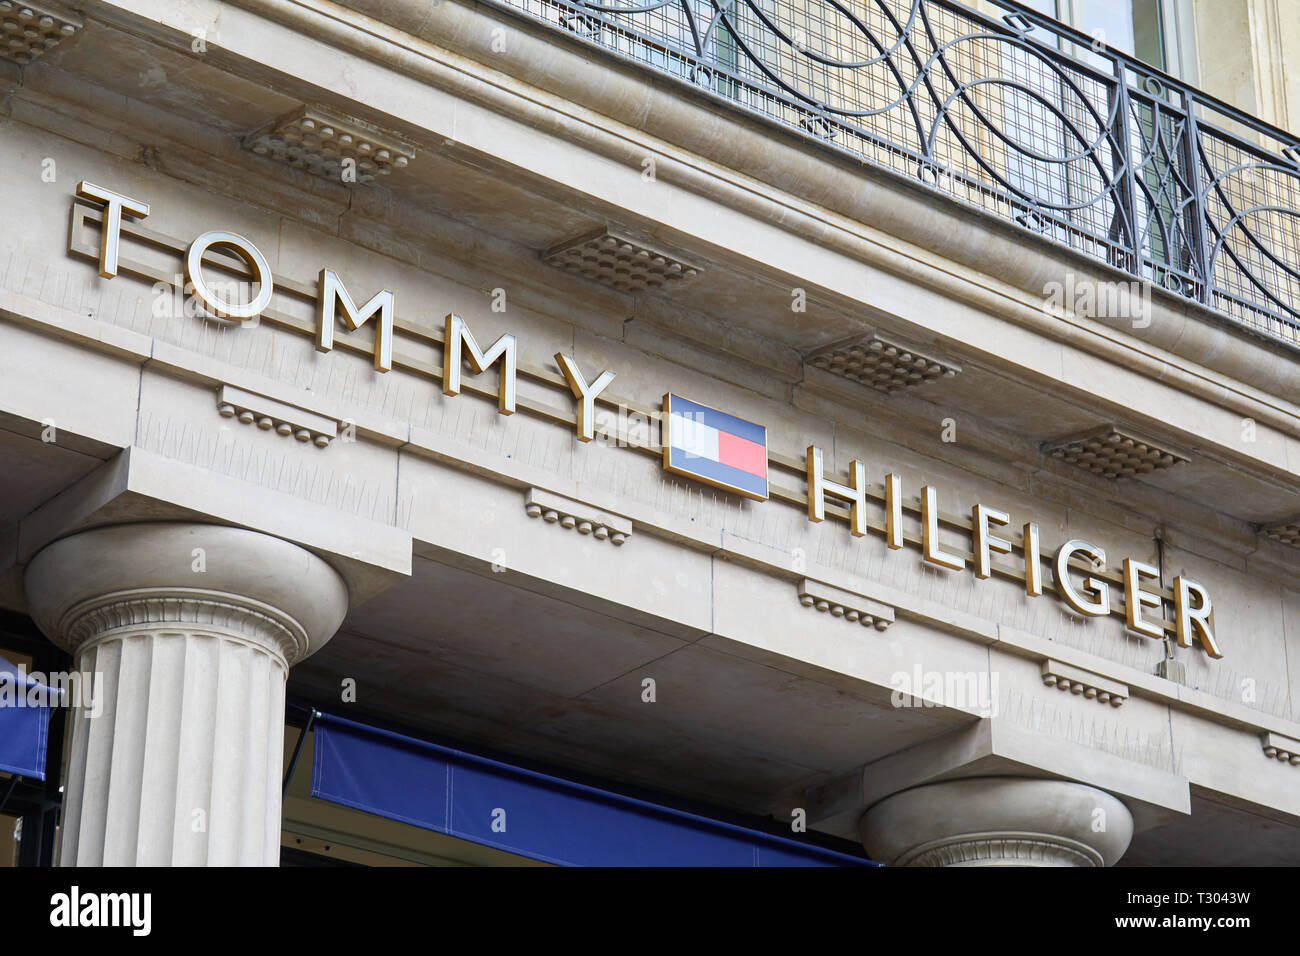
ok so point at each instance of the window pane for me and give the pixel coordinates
(1148, 33)
(1130, 26)
(1110, 21)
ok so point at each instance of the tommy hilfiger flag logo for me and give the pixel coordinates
(714, 447)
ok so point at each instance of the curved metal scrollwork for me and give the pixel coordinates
(1022, 117)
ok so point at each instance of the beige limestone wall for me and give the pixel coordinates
(1247, 56)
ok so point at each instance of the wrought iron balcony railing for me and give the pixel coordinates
(1020, 116)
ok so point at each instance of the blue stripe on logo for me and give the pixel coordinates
(719, 420)
(716, 471)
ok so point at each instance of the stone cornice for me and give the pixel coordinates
(408, 357)
(827, 196)
(1007, 451)
(192, 365)
(844, 206)
(1279, 415)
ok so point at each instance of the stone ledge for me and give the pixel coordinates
(1281, 748)
(1079, 681)
(848, 605)
(267, 413)
(567, 513)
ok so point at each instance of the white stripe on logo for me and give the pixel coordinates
(695, 438)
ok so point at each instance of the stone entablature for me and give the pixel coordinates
(390, 347)
(371, 429)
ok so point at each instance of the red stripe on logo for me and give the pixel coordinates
(742, 453)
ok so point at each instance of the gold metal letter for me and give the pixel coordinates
(1193, 619)
(250, 254)
(1033, 561)
(893, 511)
(930, 549)
(332, 293)
(855, 491)
(1096, 608)
(584, 393)
(1135, 599)
(457, 333)
(115, 206)
(984, 542)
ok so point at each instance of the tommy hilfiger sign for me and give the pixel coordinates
(696, 441)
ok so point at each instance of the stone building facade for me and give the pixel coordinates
(980, 545)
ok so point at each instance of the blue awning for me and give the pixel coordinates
(529, 813)
(24, 722)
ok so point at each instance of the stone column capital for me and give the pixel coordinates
(998, 821)
(89, 586)
(189, 631)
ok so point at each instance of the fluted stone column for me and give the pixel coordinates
(192, 629)
(998, 821)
